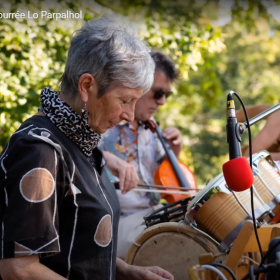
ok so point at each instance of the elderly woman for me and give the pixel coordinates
(59, 210)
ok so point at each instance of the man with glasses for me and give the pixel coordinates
(132, 153)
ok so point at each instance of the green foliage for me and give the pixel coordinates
(249, 65)
(33, 51)
(242, 55)
(32, 56)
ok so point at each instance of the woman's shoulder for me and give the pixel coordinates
(30, 143)
(36, 121)
(38, 125)
(35, 130)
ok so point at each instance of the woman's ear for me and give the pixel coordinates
(87, 86)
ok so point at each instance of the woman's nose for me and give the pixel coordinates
(128, 115)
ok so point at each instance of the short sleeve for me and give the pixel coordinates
(31, 180)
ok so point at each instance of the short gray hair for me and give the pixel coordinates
(110, 49)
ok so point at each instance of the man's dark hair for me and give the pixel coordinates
(165, 64)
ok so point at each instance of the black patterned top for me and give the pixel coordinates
(58, 203)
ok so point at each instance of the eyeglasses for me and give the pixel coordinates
(159, 93)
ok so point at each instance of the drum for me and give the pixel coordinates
(173, 246)
(267, 180)
(170, 243)
(221, 213)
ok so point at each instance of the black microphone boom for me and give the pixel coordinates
(233, 135)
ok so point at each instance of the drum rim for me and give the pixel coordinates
(263, 153)
(217, 180)
(178, 227)
(210, 185)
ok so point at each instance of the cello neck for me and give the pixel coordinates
(173, 160)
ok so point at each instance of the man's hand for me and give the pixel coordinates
(123, 170)
(133, 272)
(267, 136)
(174, 139)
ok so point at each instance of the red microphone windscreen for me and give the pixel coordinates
(238, 174)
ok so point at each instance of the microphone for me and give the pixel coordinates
(237, 171)
(238, 174)
(233, 135)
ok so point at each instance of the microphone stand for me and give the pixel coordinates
(240, 129)
(259, 117)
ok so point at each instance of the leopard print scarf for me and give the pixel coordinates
(74, 126)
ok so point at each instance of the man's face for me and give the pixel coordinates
(147, 105)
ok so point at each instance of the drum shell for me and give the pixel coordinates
(172, 246)
(267, 181)
(220, 216)
(219, 212)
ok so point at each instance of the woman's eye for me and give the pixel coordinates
(126, 102)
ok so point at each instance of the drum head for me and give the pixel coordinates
(218, 181)
(175, 248)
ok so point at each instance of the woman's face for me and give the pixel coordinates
(114, 106)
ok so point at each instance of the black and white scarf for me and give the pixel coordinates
(74, 126)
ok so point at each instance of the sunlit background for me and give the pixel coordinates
(217, 46)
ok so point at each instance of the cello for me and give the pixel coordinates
(171, 172)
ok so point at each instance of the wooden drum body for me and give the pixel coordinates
(221, 213)
(208, 223)
(172, 246)
(267, 181)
